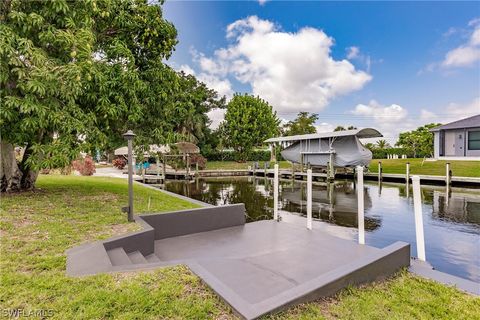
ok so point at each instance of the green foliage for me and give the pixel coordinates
(382, 144)
(419, 142)
(341, 128)
(72, 70)
(75, 75)
(249, 121)
(255, 155)
(303, 124)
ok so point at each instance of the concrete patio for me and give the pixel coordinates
(257, 268)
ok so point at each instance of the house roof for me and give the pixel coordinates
(471, 122)
(360, 133)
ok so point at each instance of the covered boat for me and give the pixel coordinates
(339, 148)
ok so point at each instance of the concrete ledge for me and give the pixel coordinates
(184, 222)
(142, 240)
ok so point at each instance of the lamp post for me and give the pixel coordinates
(129, 135)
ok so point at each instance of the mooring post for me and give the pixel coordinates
(309, 199)
(380, 171)
(448, 174)
(187, 170)
(360, 206)
(275, 193)
(164, 169)
(407, 173)
(129, 135)
(417, 205)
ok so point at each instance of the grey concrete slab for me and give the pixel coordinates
(250, 265)
(257, 268)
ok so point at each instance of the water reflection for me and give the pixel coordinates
(451, 217)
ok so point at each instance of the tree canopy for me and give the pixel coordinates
(342, 128)
(248, 122)
(303, 124)
(418, 141)
(76, 74)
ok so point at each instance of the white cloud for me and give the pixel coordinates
(222, 86)
(291, 71)
(187, 69)
(428, 116)
(353, 52)
(392, 113)
(389, 120)
(456, 111)
(325, 127)
(262, 2)
(468, 53)
(217, 116)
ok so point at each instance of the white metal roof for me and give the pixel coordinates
(360, 133)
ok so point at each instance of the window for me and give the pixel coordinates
(474, 140)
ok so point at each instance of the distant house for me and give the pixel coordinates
(459, 139)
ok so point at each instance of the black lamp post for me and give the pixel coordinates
(129, 135)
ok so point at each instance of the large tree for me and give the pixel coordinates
(72, 74)
(418, 141)
(249, 121)
(303, 124)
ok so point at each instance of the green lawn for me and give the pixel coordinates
(37, 227)
(437, 168)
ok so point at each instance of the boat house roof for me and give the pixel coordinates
(360, 133)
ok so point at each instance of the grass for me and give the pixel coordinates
(37, 227)
(434, 168)
(459, 168)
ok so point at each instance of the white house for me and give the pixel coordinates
(459, 140)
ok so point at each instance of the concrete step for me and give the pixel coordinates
(152, 258)
(118, 257)
(136, 257)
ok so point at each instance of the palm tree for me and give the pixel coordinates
(382, 144)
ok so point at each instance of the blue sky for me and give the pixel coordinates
(389, 65)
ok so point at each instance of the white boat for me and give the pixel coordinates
(340, 148)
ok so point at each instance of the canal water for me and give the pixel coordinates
(451, 220)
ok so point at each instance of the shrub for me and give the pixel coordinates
(67, 170)
(257, 155)
(198, 158)
(86, 166)
(119, 163)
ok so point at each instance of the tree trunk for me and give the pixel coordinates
(11, 176)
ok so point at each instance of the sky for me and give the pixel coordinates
(392, 66)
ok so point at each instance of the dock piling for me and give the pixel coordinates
(448, 174)
(417, 205)
(309, 199)
(360, 206)
(407, 172)
(275, 193)
(164, 169)
(379, 170)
